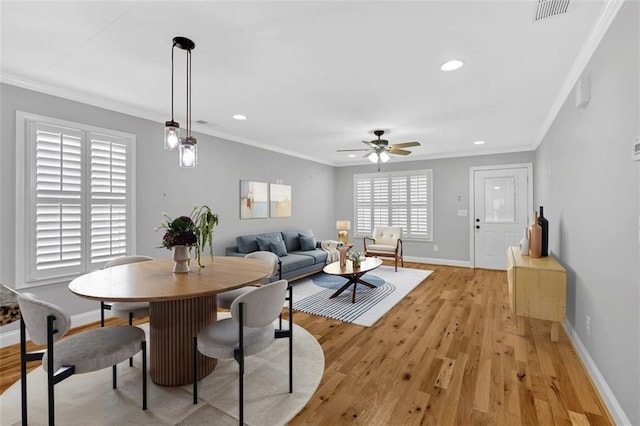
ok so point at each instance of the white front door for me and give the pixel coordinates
(502, 210)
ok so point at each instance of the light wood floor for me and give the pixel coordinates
(447, 354)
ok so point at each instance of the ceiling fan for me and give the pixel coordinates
(379, 149)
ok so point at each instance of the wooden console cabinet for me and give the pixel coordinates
(537, 289)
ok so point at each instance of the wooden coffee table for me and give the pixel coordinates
(353, 275)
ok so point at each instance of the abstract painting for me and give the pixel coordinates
(253, 199)
(280, 200)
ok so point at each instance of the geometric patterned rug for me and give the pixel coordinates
(311, 295)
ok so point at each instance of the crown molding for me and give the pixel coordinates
(608, 13)
(95, 101)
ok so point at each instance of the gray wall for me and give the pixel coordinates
(162, 186)
(589, 186)
(450, 193)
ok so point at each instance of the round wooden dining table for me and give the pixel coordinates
(180, 305)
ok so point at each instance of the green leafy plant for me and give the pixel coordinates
(195, 230)
(354, 255)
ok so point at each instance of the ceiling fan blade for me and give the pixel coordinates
(397, 151)
(347, 150)
(405, 144)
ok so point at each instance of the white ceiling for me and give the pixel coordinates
(313, 77)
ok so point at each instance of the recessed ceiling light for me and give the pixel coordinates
(452, 65)
(239, 117)
(352, 155)
(478, 142)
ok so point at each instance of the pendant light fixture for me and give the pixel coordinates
(187, 145)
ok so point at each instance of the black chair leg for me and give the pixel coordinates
(290, 339)
(131, 323)
(144, 375)
(50, 372)
(195, 369)
(102, 308)
(23, 371)
(114, 374)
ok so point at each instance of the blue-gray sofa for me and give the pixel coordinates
(299, 252)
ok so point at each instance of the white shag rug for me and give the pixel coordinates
(88, 399)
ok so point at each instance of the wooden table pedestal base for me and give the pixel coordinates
(173, 324)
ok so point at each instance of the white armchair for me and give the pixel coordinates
(386, 242)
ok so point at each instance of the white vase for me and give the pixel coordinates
(181, 259)
(524, 243)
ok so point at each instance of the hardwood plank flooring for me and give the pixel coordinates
(447, 354)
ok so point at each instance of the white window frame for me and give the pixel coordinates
(407, 230)
(25, 198)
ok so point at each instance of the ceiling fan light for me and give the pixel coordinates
(384, 157)
(171, 135)
(373, 157)
(188, 152)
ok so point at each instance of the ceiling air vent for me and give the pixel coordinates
(547, 8)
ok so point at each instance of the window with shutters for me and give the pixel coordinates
(395, 199)
(75, 198)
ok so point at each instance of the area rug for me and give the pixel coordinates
(311, 295)
(87, 399)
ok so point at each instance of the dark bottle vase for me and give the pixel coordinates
(544, 224)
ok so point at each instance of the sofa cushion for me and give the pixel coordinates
(306, 242)
(295, 261)
(249, 244)
(291, 238)
(319, 256)
(264, 241)
(278, 248)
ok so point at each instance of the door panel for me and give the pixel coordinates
(501, 206)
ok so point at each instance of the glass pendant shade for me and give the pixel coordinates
(373, 157)
(171, 135)
(188, 152)
(384, 157)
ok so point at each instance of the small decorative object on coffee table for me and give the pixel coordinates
(355, 257)
(352, 274)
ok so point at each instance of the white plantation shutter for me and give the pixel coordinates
(57, 199)
(108, 198)
(77, 203)
(394, 199)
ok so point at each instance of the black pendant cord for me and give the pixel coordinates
(189, 93)
(173, 48)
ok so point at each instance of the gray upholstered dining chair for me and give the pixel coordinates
(225, 299)
(128, 310)
(249, 330)
(84, 352)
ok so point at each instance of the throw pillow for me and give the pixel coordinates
(278, 248)
(307, 243)
(263, 242)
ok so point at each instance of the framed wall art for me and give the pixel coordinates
(280, 200)
(254, 199)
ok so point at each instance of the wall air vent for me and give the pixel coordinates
(547, 8)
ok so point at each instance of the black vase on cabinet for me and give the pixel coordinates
(544, 224)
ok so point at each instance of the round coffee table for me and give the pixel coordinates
(353, 275)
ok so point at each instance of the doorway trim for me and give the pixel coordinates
(472, 204)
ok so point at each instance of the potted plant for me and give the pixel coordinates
(195, 230)
(355, 256)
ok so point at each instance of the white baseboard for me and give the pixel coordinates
(12, 337)
(619, 417)
(436, 261)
